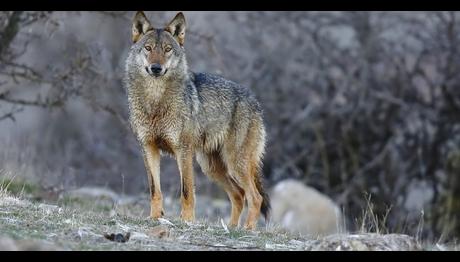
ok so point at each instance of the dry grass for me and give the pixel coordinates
(79, 223)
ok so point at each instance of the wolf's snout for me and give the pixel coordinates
(156, 69)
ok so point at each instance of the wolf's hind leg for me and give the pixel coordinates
(242, 153)
(213, 166)
(240, 171)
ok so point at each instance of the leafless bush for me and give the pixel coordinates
(362, 102)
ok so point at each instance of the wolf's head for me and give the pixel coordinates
(158, 51)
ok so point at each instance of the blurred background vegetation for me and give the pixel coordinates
(359, 105)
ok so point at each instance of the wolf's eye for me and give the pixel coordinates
(148, 48)
(168, 49)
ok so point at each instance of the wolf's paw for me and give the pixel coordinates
(249, 226)
(232, 224)
(155, 215)
(188, 217)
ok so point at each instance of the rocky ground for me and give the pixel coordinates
(99, 219)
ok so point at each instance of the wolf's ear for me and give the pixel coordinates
(141, 25)
(177, 28)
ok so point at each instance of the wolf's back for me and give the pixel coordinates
(214, 87)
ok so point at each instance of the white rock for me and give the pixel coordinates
(302, 209)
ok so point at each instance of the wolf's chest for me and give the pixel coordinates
(160, 125)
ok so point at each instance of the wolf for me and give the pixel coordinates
(175, 111)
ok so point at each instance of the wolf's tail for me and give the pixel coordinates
(265, 208)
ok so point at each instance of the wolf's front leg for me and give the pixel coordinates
(185, 163)
(152, 165)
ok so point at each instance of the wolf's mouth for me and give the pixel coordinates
(159, 74)
(155, 75)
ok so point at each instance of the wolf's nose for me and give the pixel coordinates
(156, 68)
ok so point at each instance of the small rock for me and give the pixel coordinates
(365, 242)
(49, 209)
(13, 201)
(295, 242)
(94, 192)
(165, 221)
(84, 233)
(9, 244)
(138, 236)
(120, 238)
(358, 245)
(160, 231)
